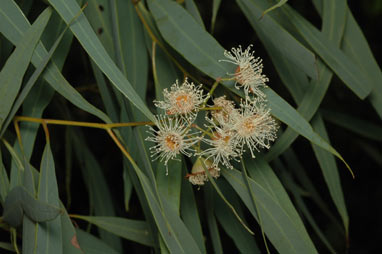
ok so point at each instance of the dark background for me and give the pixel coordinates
(362, 195)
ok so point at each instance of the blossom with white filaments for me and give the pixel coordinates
(225, 114)
(223, 146)
(184, 100)
(249, 70)
(254, 126)
(171, 139)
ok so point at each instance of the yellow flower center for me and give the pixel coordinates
(172, 142)
(248, 126)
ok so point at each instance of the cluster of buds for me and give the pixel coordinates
(229, 130)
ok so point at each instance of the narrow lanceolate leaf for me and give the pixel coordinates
(277, 224)
(330, 172)
(211, 219)
(70, 243)
(40, 105)
(279, 4)
(215, 8)
(189, 212)
(342, 65)
(244, 241)
(13, 25)
(263, 174)
(300, 204)
(356, 47)
(169, 185)
(282, 110)
(173, 231)
(93, 245)
(133, 230)
(49, 236)
(11, 75)
(193, 10)
(29, 226)
(81, 28)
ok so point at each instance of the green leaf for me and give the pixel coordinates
(70, 243)
(189, 211)
(16, 171)
(244, 241)
(300, 204)
(14, 69)
(82, 30)
(13, 25)
(341, 64)
(279, 4)
(280, 228)
(215, 8)
(169, 184)
(19, 201)
(330, 171)
(172, 229)
(192, 8)
(92, 245)
(284, 112)
(29, 232)
(211, 220)
(356, 47)
(37, 105)
(295, 166)
(49, 235)
(261, 171)
(133, 230)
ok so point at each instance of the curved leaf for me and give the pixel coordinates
(81, 28)
(277, 224)
(133, 230)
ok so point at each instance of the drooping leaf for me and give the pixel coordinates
(133, 230)
(281, 230)
(330, 171)
(13, 25)
(49, 234)
(11, 75)
(86, 36)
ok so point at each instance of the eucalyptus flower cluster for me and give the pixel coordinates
(229, 130)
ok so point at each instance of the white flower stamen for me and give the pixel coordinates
(249, 71)
(184, 100)
(171, 138)
(223, 146)
(225, 114)
(254, 126)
